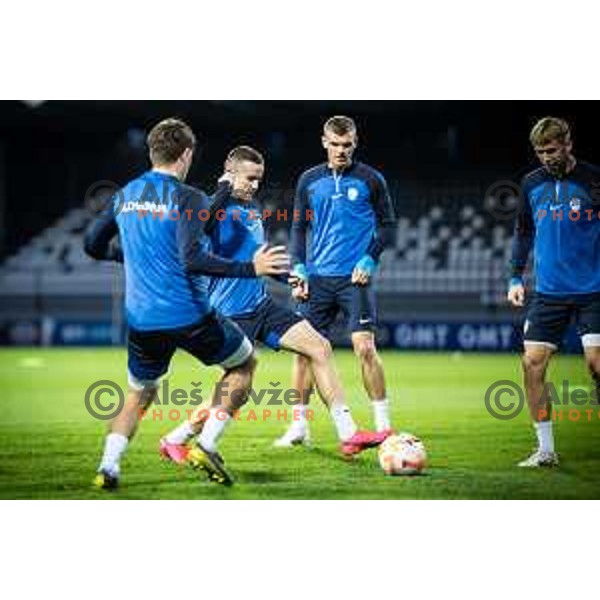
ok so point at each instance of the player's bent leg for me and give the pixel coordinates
(373, 377)
(208, 425)
(122, 429)
(230, 395)
(535, 359)
(219, 341)
(303, 339)
(149, 354)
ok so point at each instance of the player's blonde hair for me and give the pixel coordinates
(549, 129)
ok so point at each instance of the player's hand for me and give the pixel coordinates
(298, 279)
(299, 288)
(360, 277)
(516, 294)
(363, 271)
(271, 261)
(227, 177)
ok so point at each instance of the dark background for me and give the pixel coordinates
(51, 153)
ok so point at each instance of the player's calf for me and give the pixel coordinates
(535, 361)
(365, 349)
(122, 430)
(232, 393)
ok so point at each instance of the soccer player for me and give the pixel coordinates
(158, 219)
(237, 235)
(560, 221)
(353, 222)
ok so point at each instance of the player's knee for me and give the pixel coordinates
(366, 351)
(321, 351)
(534, 363)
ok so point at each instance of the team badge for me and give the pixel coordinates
(575, 203)
(352, 194)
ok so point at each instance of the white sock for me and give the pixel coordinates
(299, 422)
(181, 434)
(344, 423)
(545, 437)
(114, 447)
(213, 429)
(381, 411)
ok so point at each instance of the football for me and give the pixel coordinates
(402, 454)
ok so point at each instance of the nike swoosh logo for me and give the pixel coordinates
(364, 321)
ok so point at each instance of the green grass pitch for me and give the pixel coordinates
(50, 445)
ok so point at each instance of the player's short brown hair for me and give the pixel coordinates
(549, 129)
(339, 125)
(168, 139)
(240, 153)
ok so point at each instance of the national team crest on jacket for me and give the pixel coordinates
(352, 194)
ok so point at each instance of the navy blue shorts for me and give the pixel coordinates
(268, 323)
(213, 340)
(549, 316)
(331, 295)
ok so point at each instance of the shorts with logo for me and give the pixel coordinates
(330, 296)
(213, 340)
(549, 316)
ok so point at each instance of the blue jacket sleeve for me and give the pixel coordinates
(193, 242)
(299, 227)
(385, 228)
(523, 235)
(101, 238)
